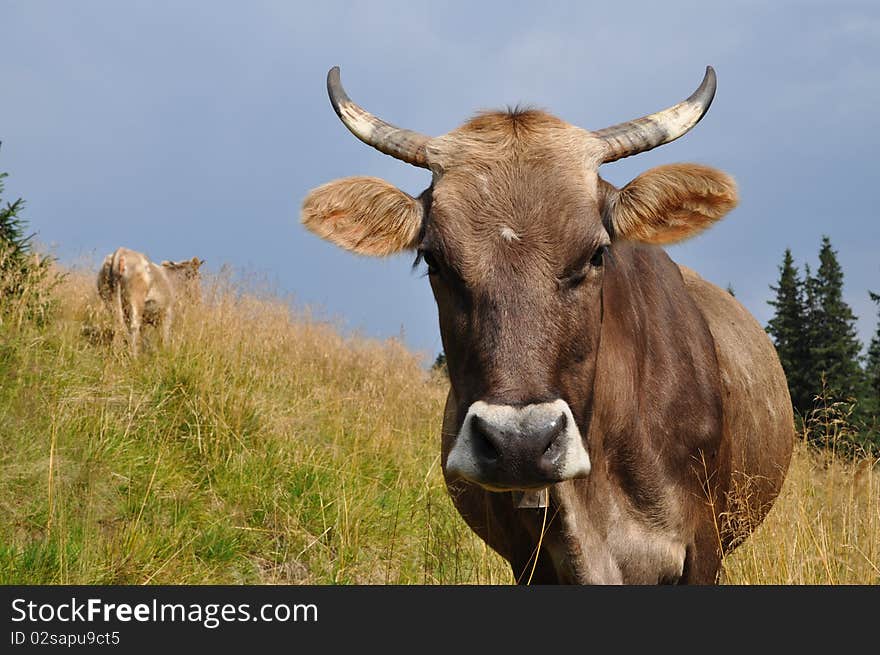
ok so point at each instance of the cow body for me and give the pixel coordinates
(644, 405)
(137, 291)
(667, 495)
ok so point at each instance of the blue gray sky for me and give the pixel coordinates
(184, 128)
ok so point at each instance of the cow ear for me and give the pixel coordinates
(668, 203)
(365, 215)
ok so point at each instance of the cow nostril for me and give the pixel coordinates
(550, 434)
(485, 439)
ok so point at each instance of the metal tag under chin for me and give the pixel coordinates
(532, 499)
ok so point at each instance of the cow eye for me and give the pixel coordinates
(430, 261)
(598, 257)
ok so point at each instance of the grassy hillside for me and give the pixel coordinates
(262, 447)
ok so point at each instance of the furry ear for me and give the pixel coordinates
(365, 215)
(669, 203)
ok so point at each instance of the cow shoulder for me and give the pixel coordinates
(652, 323)
(750, 368)
(758, 417)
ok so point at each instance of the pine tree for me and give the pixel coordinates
(14, 246)
(811, 373)
(832, 337)
(23, 273)
(872, 366)
(788, 328)
(440, 364)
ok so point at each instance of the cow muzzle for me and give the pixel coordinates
(504, 447)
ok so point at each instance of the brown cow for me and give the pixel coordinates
(137, 291)
(642, 407)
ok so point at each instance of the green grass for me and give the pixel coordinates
(261, 446)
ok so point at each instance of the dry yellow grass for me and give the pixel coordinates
(262, 446)
(823, 529)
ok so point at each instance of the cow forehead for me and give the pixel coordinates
(515, 160)
(513, 190)
(515, 201)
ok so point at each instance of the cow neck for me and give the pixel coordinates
(656, 372)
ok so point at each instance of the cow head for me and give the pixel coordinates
(184, 270)
(185, 277)
(518, 232)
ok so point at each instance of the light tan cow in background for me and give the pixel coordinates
(138, 291)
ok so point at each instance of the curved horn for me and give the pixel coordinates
(654, 130)
(402, 144)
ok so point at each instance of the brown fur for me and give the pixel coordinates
(137, 291)
(363, 214)
(756, 402)
(670, 203)
(660, 371)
